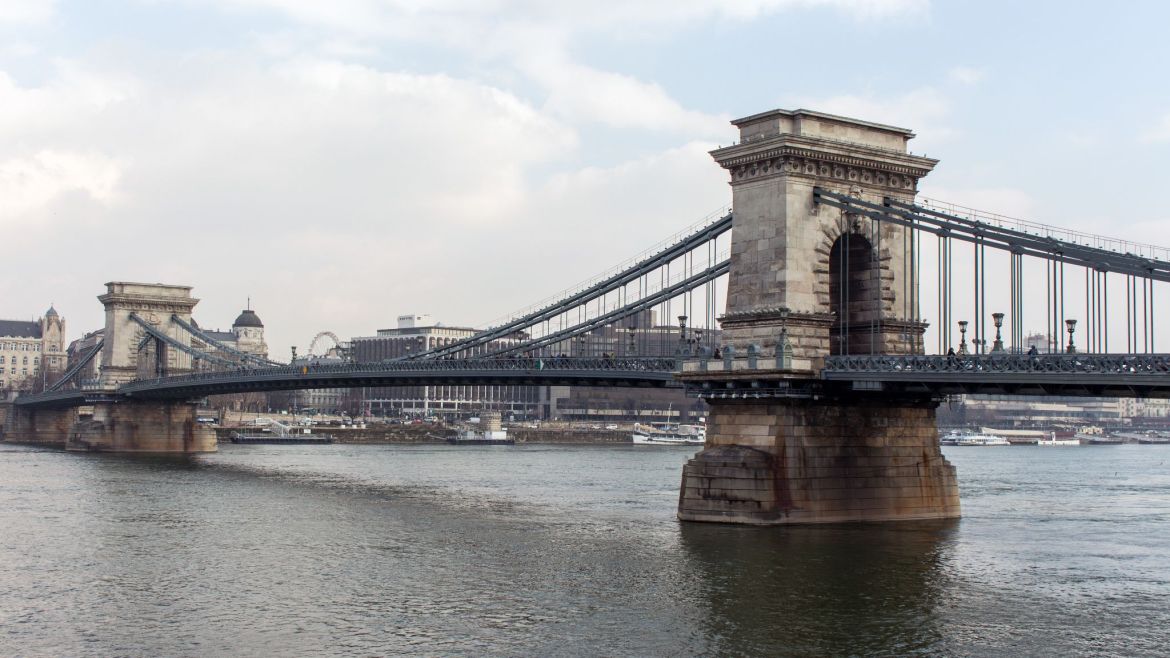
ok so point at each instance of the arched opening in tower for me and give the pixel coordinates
(854, 295)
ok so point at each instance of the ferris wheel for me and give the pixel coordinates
(338, 349)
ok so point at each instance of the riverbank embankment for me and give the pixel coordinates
(433, 433)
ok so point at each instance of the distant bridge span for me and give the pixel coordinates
(554, 371)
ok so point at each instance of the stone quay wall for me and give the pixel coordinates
(421, 434)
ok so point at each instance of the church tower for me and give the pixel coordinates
(53, 357)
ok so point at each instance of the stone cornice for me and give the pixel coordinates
(823, 160)
(148, 301)
(793, 318)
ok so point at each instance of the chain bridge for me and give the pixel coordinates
(824, 382)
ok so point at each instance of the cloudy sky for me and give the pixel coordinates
(344, 162)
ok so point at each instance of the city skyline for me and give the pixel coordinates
(463, 160)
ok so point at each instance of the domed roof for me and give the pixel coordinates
(51, 313)
(248, 318)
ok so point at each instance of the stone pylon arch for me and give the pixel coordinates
(782, 240)
(153, 303)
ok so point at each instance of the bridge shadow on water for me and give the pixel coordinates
(848, 589)
(151, 461)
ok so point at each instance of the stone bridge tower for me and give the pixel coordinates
(807, 282)
(122, 357)
(834, 283)
(119, 424)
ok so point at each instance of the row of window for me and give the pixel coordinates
(36, 360)
(20, 347)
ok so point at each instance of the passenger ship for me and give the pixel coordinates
(669, 434)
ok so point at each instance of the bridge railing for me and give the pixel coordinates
(566, 364)
(1111, 364)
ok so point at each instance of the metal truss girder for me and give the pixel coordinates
(949, 226)
(599, 289)
(710, 274)
(77, 367)
(194, 353)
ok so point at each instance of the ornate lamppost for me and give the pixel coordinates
(997, 346)
(962, 336)
(633, 343)
(1072, 326)
(784, 346)
(682, 334)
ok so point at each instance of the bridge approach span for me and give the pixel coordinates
(555, 371)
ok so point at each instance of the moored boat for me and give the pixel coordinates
(490, 433)
(982, 440)
(271, 439)
(669, 435)
(482, 438)
(283, 434)
(1054, 441)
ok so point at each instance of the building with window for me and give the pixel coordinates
(246, 335)
(78, 349)
(32, 353)
(639, 335)
(418, 333)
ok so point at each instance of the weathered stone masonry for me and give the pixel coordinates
(787, 449)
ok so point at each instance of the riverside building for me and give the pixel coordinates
(418, 333)
(32, 353)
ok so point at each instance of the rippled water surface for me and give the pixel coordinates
(561, 550)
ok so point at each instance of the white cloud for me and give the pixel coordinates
(1006, 201)
(924, 110)
(1160, 132)
(26, 12)
(50, 110)
(435, 17)
(28, 184)
(324, 177)
(581, 93)
(966, 75)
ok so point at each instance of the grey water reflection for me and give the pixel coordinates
(857, 589)
(562, 551)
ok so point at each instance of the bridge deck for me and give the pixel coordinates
(644, 372)
(1104, 375)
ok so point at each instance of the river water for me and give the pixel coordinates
(564, 551)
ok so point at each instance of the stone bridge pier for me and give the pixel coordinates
(807, 282)
(109, 422)
(145, 427)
